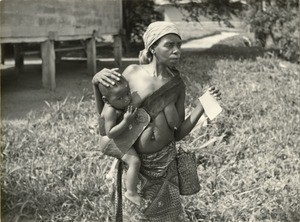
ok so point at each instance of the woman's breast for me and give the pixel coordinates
(171, 114)
(156, 136)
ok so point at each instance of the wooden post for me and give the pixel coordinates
(2, 58)
(91, 55)
(118, 50)
(48, 64)
(58, 54)
(19, 56)
(298, 26)
(288, 5)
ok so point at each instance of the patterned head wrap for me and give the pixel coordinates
(154, 32)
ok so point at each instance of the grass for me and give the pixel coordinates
(252, 175)
(53, 170)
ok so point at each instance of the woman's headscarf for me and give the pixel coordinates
(154, 32)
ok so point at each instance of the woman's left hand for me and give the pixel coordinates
(106, 77)
(214, 92)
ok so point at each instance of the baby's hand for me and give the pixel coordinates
(130, 113)
(214, 92)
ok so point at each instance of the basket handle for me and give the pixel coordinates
(181, 150)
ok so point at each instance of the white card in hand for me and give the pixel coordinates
(210, 105)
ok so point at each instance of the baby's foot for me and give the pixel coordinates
(135, 198)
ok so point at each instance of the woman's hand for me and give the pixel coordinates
(214, 92)
(106, 77)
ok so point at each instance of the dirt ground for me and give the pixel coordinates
(23, 92)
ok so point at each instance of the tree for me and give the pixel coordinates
(216, 10)
(278, 20)
(137, 15)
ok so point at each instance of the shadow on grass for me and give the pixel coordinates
(199, 64)
(203, 36)
(220, 51)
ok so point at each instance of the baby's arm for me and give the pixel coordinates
(112, 128)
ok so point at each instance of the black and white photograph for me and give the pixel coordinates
(150, 110)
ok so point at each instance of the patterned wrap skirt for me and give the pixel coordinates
(158, 188)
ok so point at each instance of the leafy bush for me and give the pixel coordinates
(276, 19)
(137, 15)
(281, 24)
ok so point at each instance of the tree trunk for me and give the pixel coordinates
(299, 23)
(126, 24)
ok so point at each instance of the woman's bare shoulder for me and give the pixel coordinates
(131, 70)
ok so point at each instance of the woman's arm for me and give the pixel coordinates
(189, 123)
(180, 106)
(98, 99)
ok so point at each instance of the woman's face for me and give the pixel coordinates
(167, 50)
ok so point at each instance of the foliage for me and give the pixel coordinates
(53, 169)
(275, 18)
(220, 11)
(279, 21)
(137, 15)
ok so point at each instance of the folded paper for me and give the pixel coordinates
(210, 105)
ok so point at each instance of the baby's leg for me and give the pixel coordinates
(132, 159)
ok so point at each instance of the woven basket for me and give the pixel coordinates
(187, 173)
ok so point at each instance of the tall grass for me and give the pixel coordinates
(53, 169)
(254, 174)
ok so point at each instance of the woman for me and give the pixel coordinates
(156, 86)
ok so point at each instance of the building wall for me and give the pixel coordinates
(35, 20)
(191, 29)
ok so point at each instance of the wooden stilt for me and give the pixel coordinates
(19, 56)
(118, 50)
(91, 55)
(48, 64)
(2, 58)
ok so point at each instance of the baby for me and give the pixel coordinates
(115, 119)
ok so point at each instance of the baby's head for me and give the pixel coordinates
(118, 95)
